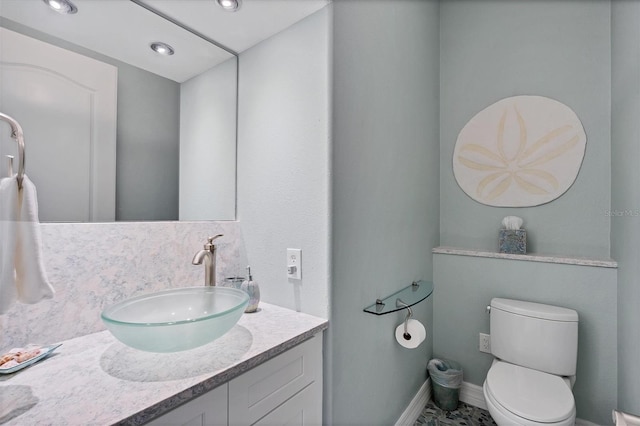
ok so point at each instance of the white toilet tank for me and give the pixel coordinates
(542, 337)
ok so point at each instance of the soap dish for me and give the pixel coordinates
(44, 352)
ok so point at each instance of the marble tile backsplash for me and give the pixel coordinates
(92, 265)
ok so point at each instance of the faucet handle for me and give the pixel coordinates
(210, 246)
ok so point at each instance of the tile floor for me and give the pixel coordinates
(464, 415)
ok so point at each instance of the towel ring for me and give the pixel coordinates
(16, 133)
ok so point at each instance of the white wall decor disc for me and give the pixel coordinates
(521, 151)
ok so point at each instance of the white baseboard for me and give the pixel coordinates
(472, 395)
(580, 422)
(417, 404)
(469, 393)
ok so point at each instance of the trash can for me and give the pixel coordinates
(446, 380)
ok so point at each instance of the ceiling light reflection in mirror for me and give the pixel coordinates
(64, 7)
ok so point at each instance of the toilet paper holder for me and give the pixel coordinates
(411, 333)
(401, 304)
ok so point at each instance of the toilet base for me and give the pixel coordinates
(503, 417)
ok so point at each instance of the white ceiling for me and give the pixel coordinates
(123, 30)
(256, 20)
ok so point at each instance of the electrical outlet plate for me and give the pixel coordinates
(484, 344)
(294, 264)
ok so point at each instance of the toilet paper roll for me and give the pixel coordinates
(417, 332)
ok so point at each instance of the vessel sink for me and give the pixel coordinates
(176, 319)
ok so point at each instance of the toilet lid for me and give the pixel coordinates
(530, 394)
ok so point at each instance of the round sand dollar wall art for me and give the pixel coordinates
(521, 151)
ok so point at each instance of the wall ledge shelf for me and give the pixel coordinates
(545, 258)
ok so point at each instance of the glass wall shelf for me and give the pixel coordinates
(415, 293)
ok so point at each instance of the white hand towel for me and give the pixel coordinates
(31, 275)
(31, 283)
(8, 235)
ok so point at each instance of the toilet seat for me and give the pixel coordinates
(529, 396)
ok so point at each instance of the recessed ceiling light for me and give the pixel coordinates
(229, 5)
(64, 7)
(162, 48)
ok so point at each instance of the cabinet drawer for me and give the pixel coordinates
(303, 409)
(259, 391)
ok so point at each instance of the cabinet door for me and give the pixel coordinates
(268, 386)
(209, 409)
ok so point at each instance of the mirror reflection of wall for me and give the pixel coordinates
(148, 146)
(151, 166)
(208, 144)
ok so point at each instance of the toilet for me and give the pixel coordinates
(531, 379)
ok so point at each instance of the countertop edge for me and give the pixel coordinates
(213, 382)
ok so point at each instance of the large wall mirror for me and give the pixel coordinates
(115, 130)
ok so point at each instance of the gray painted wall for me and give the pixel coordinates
(493, 49)
(147, 136)
(464, 286)
(283, 162)
(561, 49)
(384, 200)
(625, 197)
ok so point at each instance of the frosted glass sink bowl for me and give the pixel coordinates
(176, 319)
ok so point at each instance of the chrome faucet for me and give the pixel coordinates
(208, 254)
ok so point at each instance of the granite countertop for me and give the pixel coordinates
(96, 380)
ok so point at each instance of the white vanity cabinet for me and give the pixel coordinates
(286, 390)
